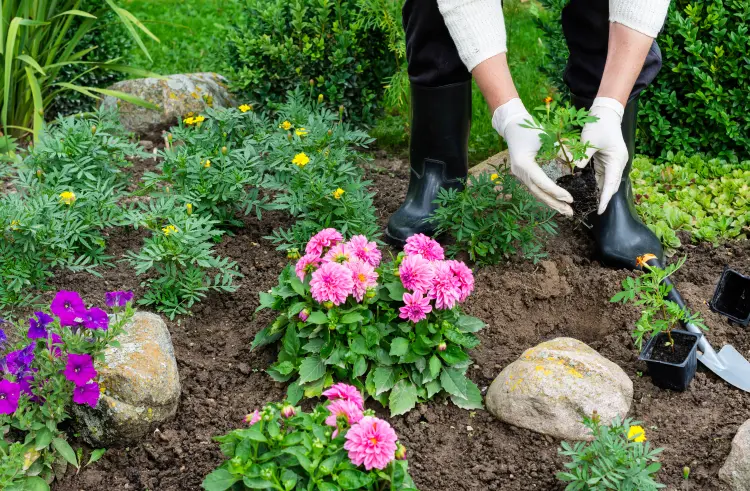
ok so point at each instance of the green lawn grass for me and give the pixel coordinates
(191, 33)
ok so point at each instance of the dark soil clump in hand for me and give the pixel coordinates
(582, 186)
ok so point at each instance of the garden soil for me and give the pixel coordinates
(449, 449)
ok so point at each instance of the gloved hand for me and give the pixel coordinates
(523, 145)
(609, 151)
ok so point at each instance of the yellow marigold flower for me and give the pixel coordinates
(206, 164)
(15, 224)
(547, 100)
(67, 197)
(338, 193)
(494, 177)
(199, 119)
(300, 131)
(642, 261)
(301, 160)
(170, 229)
(286, 125)
(245, 108)
(637, 434)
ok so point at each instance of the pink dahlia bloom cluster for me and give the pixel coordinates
(369, 441)
(429, 278)
(339, 269)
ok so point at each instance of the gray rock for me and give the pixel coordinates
(176, 96)
(141, 382)
(736, 469)
(553, 385)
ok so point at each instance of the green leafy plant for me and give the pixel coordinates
(179, 256)
(285, 448)
(658, 314)
(279, 45)
(46, 373)
(36, 45)
(366, 337)
(708, 198)
(619, 458)
(560, 132)
(493, 218)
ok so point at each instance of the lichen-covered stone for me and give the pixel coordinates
(736, 469)
(141, 382)
(176, 96)
(553, 385)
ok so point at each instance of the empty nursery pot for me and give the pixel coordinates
(732, 297)
(672, 369)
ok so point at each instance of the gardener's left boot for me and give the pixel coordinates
(620, 235)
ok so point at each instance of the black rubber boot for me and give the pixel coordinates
(619, 233)
(439, 149)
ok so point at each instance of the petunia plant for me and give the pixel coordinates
(51, 369)
(339, 445)
(395, 330)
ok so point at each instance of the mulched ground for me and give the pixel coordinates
(449, 448)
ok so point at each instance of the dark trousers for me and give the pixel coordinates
(434, 61)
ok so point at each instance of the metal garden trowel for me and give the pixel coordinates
(728, 363)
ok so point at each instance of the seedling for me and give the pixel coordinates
(560, 127)
(658, 314)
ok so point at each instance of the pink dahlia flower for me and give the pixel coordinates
(371, 442)
(324, 239)
(416, 273)
(465, 278)
(332, 282)
(446, 289)
(424, 246)
(346, 392)
(252, 418)
(416, 307)
(307, 264)
(365, 250)
(340, 253)
(341, 408)
(363, 276)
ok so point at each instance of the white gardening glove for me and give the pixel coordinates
(523, 145)
(608, 150)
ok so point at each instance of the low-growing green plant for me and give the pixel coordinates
(493, 218)
(618, 459)
(709, 198)
(560, 128)
(658, 314)
(46, 373)
(339, 445)
(394, 330)
(179, 255)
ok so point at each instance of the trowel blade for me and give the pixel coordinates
(733, 368)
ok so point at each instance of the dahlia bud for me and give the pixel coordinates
(293, 254)
(328, 305)
(370, 293)
(442, 346)
(224, 150)
(288, 411)
(304, 315)
(400, 452)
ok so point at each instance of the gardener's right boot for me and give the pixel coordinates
(438, 153)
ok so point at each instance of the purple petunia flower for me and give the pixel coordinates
(38, 326)
(80, 369)
(54, 343)
(17, 362)
(87, 394)
(68, 307)
(3, 337)
(118, 299)
(24, 384)
(95, 318)
(9, 394)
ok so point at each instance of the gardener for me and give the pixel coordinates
(613, 57)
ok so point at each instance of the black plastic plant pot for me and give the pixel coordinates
(732, 297)
(672, 369)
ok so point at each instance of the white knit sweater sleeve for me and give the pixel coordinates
(476, 26)
(646, 16)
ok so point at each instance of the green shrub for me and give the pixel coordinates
(279, 45)
(710, 199)
(112, 42)
(697, 103)
(493, 218)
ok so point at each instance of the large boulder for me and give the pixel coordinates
(555, 384)
(736, 470)
(176, 96)
(142, 385)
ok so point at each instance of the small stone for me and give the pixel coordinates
(469, 428)
(736, 469)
